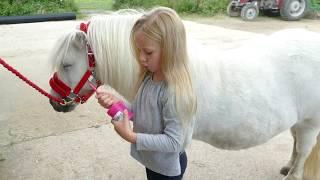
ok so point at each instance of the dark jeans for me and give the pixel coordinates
(156, 176)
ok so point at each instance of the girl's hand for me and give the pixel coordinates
(123, 128)
(105, 98)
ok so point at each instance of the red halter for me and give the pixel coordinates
(68, 95)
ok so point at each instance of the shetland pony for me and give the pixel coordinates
(245, 95)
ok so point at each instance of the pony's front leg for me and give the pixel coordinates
(306, 137)
(285, 170)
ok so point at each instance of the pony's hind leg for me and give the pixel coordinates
(312, 165)
(285, 170)
(306, 137)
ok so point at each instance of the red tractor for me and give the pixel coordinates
(290, 10)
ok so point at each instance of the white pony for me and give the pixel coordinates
(246, 95)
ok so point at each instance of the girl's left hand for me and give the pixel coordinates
(124, 129)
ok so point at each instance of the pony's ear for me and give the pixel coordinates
(80, 39)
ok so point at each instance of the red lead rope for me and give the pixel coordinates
(30, 83)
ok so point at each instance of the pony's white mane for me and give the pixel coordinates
(112, 32)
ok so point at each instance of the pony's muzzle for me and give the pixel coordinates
(62, 108)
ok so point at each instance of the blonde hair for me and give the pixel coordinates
(164, 26)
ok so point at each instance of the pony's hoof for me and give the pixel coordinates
(2, 158)
(290, 177)
(285, 170)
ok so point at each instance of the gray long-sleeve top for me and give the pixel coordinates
(159, 133)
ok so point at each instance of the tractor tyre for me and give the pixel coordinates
(232, 11)
(293, 10)
(249, 12)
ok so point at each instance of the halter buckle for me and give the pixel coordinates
(66, 102)
(70, 99)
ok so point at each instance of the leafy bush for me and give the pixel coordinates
(206, 7)
(26, 7)
(119, 4)
(213, 6)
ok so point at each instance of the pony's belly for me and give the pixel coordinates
(236, 131)
(231, 141)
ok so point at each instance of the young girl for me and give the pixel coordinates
(165, 101)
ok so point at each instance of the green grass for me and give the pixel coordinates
(94, 4)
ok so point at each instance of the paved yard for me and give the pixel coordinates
(38, 143)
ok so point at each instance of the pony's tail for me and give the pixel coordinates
(312, 164)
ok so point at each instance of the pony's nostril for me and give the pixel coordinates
(55, 106)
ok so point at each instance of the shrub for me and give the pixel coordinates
(206, 7)
(209, 7)
(27, 7)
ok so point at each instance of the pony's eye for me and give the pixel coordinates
(66, 66)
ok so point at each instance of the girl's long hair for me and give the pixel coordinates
(164, 26)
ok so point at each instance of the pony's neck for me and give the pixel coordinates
(109, 37)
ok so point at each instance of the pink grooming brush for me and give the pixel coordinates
(116, 110)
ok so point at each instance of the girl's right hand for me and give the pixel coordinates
(105, 98)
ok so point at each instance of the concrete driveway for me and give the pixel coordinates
(38, 143)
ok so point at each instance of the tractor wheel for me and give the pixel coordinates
(293, 10)
(232, 11)
(249, 12)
